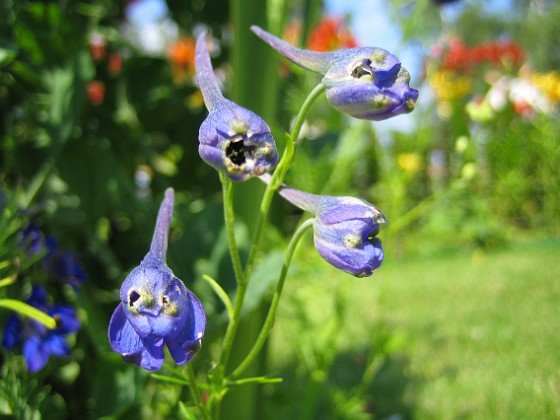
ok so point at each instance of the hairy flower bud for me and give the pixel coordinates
(366, 82)
(156, 308)
(233, 139)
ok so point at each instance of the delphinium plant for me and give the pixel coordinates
(157, 310)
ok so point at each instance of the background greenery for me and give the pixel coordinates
(460, 321)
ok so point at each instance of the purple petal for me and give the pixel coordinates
(122, 337)
(38, 297)
(54, 343)
(12, 331)
(147, 354)
(35, 356)
(67, 320)
(184, 344)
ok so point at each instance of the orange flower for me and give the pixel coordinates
(181, 55)
(330, 34)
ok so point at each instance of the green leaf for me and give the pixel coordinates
(184, 410)
(6, 281)
(29, 311)
(263, 279)
(68, 86)
(221, 294)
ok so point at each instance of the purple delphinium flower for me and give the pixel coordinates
(39, 342)
(233, 140)
(365, 82)
(156, 308)
(63, 265)
(345, 229)
(31, 239)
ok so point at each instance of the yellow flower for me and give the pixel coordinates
(549, 83)
(448, 86)
(409, 162)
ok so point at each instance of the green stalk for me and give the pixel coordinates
(271, 316)
(280, 174)
(195, 392)
(240, 278)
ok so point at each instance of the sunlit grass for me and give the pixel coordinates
(464, 335)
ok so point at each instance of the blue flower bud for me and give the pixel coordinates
(233, 140)
(367, 82)
(156, 308)
(345, 229)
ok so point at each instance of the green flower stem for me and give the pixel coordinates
(240, 277)
(280, 174)
(271, 316)
(243, 277)
(195, 392)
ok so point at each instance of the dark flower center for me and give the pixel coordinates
(58, 321)
(236, 152)
(362, 69)
(133, 296)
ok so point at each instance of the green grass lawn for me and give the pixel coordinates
(471, 335)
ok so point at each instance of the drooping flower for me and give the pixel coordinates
(39, 342)
(366, 82)
(345, 229)
(156, 308)
(233, 139)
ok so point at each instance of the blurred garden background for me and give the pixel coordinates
(99, 114)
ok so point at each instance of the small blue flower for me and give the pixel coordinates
(233, 140)
(156, 308)
(63, 265)
(40, 343)
(13, 331)
(345, 229)
(367, 82)
(31, 239)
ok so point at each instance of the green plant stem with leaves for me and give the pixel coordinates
(219, 378)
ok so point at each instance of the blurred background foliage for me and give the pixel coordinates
(99, 113)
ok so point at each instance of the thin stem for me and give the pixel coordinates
(305, 109)
(240, 277)
(279, 175)
(196, 393)
(271, 315)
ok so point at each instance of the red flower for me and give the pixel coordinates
(96, 92)
(330, 34)
(115, 64)
(98, 47)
